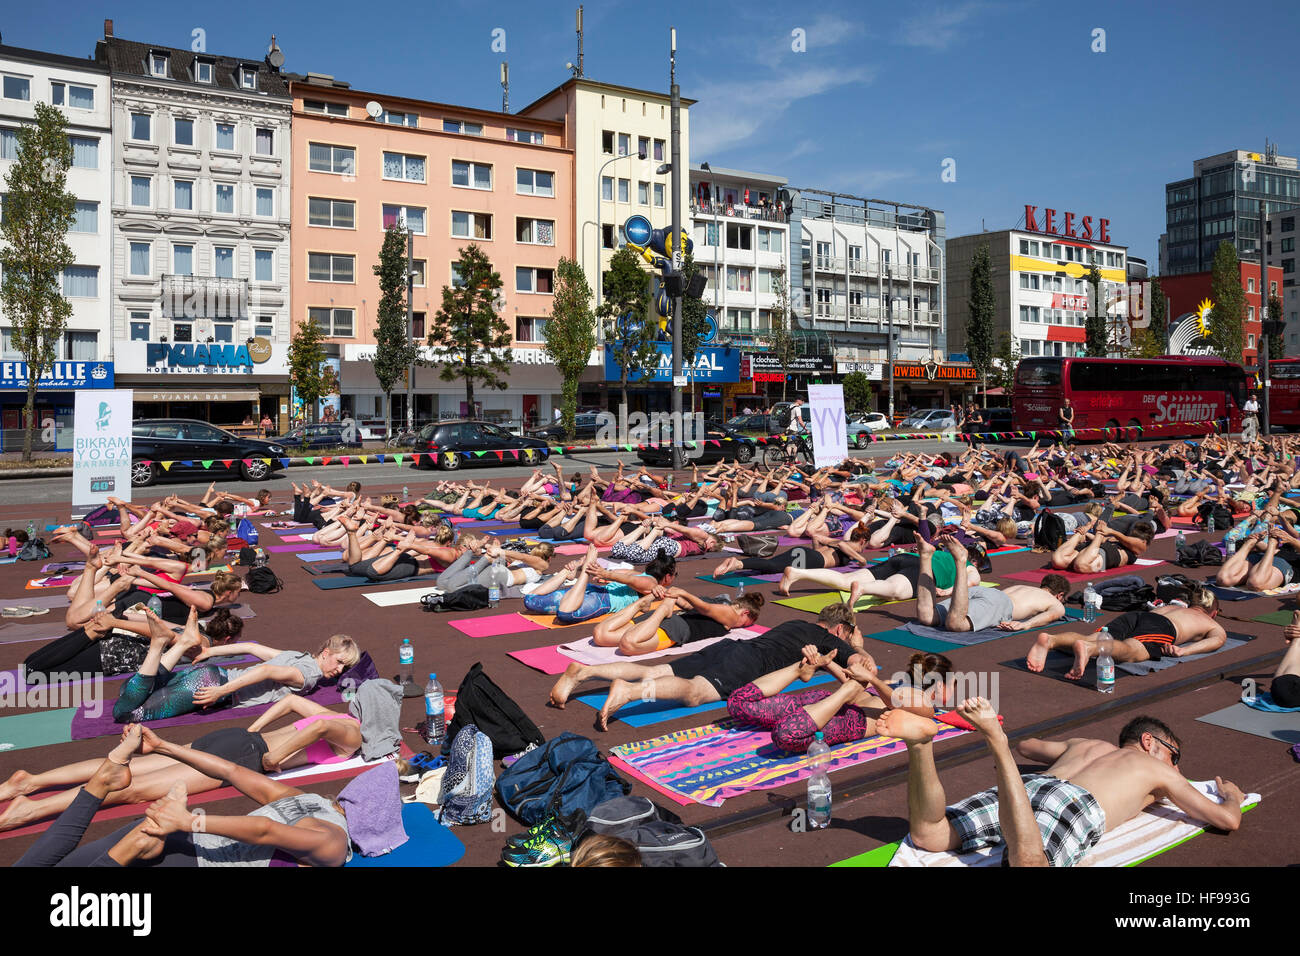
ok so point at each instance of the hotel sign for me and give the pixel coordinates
(1047, 221)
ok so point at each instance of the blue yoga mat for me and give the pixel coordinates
(430, 843)
(315, 556)
(646, 712)
(346, 581)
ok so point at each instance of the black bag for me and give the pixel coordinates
(1126, 593)
(1223, 519)
(658, 834)
(472, 597)
(1175, 587)
(263, 581)
(481, 702)
(247, 555)
(34, 550)
(760, 545)
(1048, 530)
(1194, 554)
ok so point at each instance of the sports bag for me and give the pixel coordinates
(1048, 530)
(247, 530)
(1223, 519)
(34, 550)
(759, 545)
(1194, 554)
(466, 792)
(485, 705)
(1125, 593)
(563, 776)
(659, 834)
(472, 597)
(263, 581)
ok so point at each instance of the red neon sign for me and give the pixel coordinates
(1067, 227)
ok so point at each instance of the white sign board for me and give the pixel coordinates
(101, 446)
(829, 429)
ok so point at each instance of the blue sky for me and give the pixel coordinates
(873, 105)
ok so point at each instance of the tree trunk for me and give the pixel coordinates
(30, 415)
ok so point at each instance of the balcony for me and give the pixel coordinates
(204, 297)
(876, 269)
(736, 210)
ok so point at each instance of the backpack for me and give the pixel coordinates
(263, 581)
(466, 792)
(760, 545)
(1193, 554)
(1125, 593)
(1175, 587)
(658, 834)
(485, 705)
(247, 555)
(34, 550)
(1223, 519)
(247, 531)
(1048, 530)
(564, 776)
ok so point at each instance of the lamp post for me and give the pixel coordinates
(674, 109)
(410, 324)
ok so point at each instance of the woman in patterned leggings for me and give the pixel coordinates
(156, 691)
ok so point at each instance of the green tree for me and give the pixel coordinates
(1276, 343)
(570, 335)
(1005, 361)
(38, 211)
(694, 313)
(780, 340)
(979, 320)
(468, 335)
(857, 392)
(308, 373)
(1229, 304)
(1158, 308)
(1094, 329)
(629, 317)
(395, 351)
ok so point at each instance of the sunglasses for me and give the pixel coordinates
(1174, 753)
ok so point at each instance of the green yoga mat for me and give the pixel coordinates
(1274, 617)
(904, 638)
(813, 603)
(880, 856)
(24, 731)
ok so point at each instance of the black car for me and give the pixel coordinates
(325, 435)
(762, 424)
(996, 419)
(721, 443)
(585, 428)
(188, 443)
(454, 443)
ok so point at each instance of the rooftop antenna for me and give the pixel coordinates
(505, 87)
(579, 73)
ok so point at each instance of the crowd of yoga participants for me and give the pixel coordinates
(668, 579)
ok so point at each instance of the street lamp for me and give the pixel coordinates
(600, 235)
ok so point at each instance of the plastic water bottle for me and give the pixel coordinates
(434, 707)
(740, 590)
(1090, 602)
(99, 607)
(1209, 521)
(31, 530)
(1232, 546)
(1180, 541)
(406, 660)
(406, 494)
(494, 590)
(1105, 664)
(155, 604)
(819, 784)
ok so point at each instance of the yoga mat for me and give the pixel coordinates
(429, 843)
(495, 625)
(547, 659)
(642, 713)
(21, 635)
(548, 620)
(39, 729)
(36, 600)
(1232, 594)
(903, 638)
(290, 548)
(1284, 728)
(315, 556)
(61, 581)
(1036, 576)
(1058, 662)
(711, 763)
(347, 581)
(880, 856)
(404, 596)
(587, 652)
(971, 638)
(732, 580)
(63, 567)
(1225, 591)
(11, 677)
(327, 567)
(813, 603)
(1281, 618)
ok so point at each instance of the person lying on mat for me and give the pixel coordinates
(1105, 549)
(656, 536)
(715, 672)
(289, 828)
(318, 735)
(1054, 817)
(1262, 561)
(1016, 607)
(488, 564)
(583, 589)
(226, 587)
(894, 579)
(825, 551)
(1285, 688)
(680, 619)
(1140, 635)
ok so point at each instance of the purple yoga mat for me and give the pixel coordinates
(14, 674)
(289, 548)
(18, 634)
(32, 600)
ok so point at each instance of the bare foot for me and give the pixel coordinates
(855, 593)
(1082, 651)
(620, 692)
(726, 567)
(982, 716)
(1038, 653)
(127, 747)
(787, 579)
(572, 676)
(20, 812)
(906, 726)
(18, 784)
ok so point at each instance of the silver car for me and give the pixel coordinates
(928, 420)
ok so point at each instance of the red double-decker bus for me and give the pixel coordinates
(1111, 393)
(1284, 392)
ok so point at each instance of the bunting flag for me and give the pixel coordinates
(415, 458)
(501, 455)
(362, 459)
(398, 458)
(515, 452)
(284, 462)
(325, 460)
(188, 462)
(480, 454)
(267, 461)
(345, 459)
(167, 465)
(379, 458)
(311, 460)
(207, 463)
(227, 462)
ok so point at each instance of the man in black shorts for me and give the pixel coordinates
(713, 673)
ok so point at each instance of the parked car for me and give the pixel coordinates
(188, 443)
(585, 428)
(762, 424)
(442, 439)
(731, 445)
(997, 419)
(327, 435)
(928, 420)
(861, 426)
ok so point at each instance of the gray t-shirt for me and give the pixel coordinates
(269, 691)
(213, 850)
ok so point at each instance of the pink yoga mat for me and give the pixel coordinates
(299, 546)
(1037, 575)
(548, 659)
(495, 625)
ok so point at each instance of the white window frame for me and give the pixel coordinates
(182, 245)
(257, 190)
(248, 77)
(131, 118)
(325, 107)
(66, 88)
(533, 191)
(334, 151)
(532, 230)
(16, 76)
(532, 274)
(532, 137)
(157, 60)
(470, 225)
(470, 169)
(330, 326)
(259, 252)
(269, 129)
(234, 254)
(403, 213)
(404, 178)
(462, 127)
(216, 135)
(178, 208)
(176, 120)
(199, 65)
(130, 258)
(131, 192)
(410, 120)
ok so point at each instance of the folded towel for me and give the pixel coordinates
(372, 804)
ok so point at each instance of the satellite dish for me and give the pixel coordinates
(374, 109)
(275, 58)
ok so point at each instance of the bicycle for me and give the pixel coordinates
(404, 438)
(787, 452)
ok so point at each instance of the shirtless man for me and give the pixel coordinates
(1055, 817)
(1141, 635)
(1016, 607)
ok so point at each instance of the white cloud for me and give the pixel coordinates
(866, 181)
(829, 29)
(939, 28)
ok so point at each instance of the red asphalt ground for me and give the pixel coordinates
(753, 829)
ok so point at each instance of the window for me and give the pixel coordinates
(607, 188)
(400, 119)
(1250, 341)
(607, 142)
(462, 127)
(81, 282)
(142, 127)
(325, 108)
(223, 260)
(742, 237)
(183, 131)
(265, 326)
(643, 193)
(85, 217)
(225, 197)
(1250, 285)
(323, 158)
(659, 150)
(335, 213)
(402, 166)
(528, 329)
(739, 279)
(624, 190)
(769, 240)
(414, 217)
(456, 281)
(203, 71)
(140, 191)
(417, 326)
(1250, 313)
(17, 88)
(535, 182)
(81, 346)
(225, 138)
(740, 320)
(607, 237)
(248, 77)
(524, 136)
(264, 141)
(334, 322)
(85, 151)
(624, 144)
(643, 146)
(469, 175)
(326, 267)
(158, 64)
(70, 94)
(659, 195)
(183, 260)
(539, 232)
(471, 225)
(266, 201)
(263, 265)
(223, 331)
(183, 194)
(533, 280)
(767, 283)
(418, 267)
(140, 326)
(140, 255)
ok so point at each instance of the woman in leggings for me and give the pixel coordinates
(289, 828)
(491, 566)
(824, 552)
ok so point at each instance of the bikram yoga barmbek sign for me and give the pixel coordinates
(101, 446)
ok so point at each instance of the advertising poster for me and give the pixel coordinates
(101, 446)
(829, 429)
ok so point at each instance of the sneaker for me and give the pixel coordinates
(549, 846)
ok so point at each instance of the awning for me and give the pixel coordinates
(1066, 333)
(196, 394)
